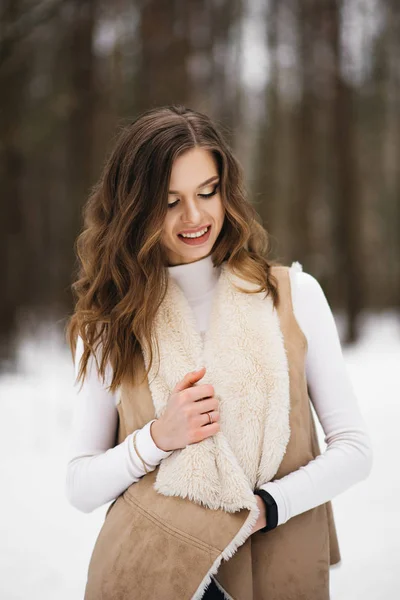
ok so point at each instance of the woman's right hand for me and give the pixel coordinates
(185, 420)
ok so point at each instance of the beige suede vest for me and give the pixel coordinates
(167, 534)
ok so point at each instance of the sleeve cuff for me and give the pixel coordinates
(272, 487)
(147, 447)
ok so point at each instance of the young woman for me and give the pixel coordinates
(200, 360)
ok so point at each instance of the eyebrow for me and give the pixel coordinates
(199, 186)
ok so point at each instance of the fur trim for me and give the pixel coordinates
(251, 384)
(229, 551)
(252, 387)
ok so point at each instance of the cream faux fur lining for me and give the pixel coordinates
(226, 554)
(246, 362)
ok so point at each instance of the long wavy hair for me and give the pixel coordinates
(122, 268)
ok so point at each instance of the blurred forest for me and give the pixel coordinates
(306, 91)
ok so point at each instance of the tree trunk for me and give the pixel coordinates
(13, 85)
(348, 207)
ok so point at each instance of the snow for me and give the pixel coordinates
(45, 544)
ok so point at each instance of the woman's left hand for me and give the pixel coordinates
(262, 517)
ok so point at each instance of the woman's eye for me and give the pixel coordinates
(211, 193)
(172, 204)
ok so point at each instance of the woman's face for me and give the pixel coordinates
(194, 204)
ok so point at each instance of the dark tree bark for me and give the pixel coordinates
(300, 241)
(80, 132)
(164, 40)
(348, 233)
(264, 188)
(225, 19)
(392, 139)
(13, 253)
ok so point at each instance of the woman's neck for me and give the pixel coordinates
(196, 279)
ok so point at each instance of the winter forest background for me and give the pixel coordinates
(308, 94)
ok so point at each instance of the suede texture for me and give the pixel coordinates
(156, 546)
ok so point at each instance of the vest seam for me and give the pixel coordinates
(174, 531)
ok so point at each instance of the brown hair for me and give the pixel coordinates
(122, 277)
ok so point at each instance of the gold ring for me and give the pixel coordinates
(210, 418)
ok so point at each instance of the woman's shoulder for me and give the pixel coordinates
(310, 305)
(303, 284)
(306, 288)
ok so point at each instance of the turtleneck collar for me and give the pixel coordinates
(195, 279)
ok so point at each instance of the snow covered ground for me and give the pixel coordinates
(45, 544)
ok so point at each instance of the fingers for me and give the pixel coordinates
(206, 419)
(199, 392)
(189, 379)
(205, 405)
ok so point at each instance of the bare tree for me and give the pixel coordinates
(300, 241)
(348, 233)
(265, 185)
(14, 69)
(164, 45)
(80, 124)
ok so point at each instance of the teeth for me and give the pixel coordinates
(195, 235)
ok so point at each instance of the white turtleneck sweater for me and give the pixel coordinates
(98, 470)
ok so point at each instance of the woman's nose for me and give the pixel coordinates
(191, 213)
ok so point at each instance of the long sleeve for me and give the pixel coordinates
(348, 456)
(98, 471)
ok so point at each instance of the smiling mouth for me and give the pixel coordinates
(194, 230)
(194, 235)
(196, 240)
